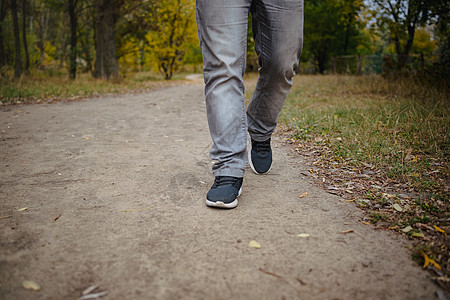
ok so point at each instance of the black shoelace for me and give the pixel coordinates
(224, 180)
(261, 147)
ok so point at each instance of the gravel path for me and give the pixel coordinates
(115, 189)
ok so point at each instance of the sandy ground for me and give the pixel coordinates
(128, 177)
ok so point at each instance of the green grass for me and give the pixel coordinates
(402, 130)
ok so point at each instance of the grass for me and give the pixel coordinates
(384, 144)
(54, 85)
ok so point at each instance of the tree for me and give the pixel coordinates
(71, 6)
(3, 10)
(175, 28)
(321, 26)
(18, 60)
(106, 65)
(24, 35)
(402, 17)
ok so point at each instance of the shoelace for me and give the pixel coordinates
(224, 180)
(261, 147)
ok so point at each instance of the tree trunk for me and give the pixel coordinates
(24, 36)
(73, 38)
(106, 65)
(18, 61)
(2, 46)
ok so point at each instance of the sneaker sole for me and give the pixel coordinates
(220, 204)
(251, 164)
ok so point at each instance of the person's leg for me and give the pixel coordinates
(278, 34)
(222, 29)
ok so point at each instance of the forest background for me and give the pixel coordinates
(116, 38)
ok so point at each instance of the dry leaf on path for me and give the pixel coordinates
(418, 234)
(89, 290)
(398, 207)
(430, 261)
(407, 229)
(254, 244)
(5, 217)
(347, 231)
(23, 209)
(303, 235)
(57, 217)
(303, 195)
(440, 230)
(31, 285)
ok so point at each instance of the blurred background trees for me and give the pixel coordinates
(114, 38)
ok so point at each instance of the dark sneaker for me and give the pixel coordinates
(224, 192)
(260, 157)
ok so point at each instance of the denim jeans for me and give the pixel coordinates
(278, 35)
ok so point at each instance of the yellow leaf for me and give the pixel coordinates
(88, 138)
(254, 244)
(26, 162)
(430, 261)
(415, 159)
(407, 229)
(23, 209)
(366, 223)
(303, 195)
(398, 207)
(31, 285)
(303, 235)
(418, 234)
(440, 230)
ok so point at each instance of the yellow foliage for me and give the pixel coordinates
(175, 22)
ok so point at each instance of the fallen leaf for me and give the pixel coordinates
(364, 222)
(440, 230)
(398, 207)
(89, 290)
(88, 138)
(349, 191)
(57, 217)
(5, 217)
(23, 209)
(407, 229)
(303, 195)
(418, 234)
(347, 231)
(303, 235)
(254, 244)
(430, 261)
(26, 162)
(270, 273)
(31, 285)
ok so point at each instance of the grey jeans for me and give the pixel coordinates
(222, 31)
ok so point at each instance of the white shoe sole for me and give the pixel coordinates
(220, 204)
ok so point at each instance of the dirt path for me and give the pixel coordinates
(128, 176)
